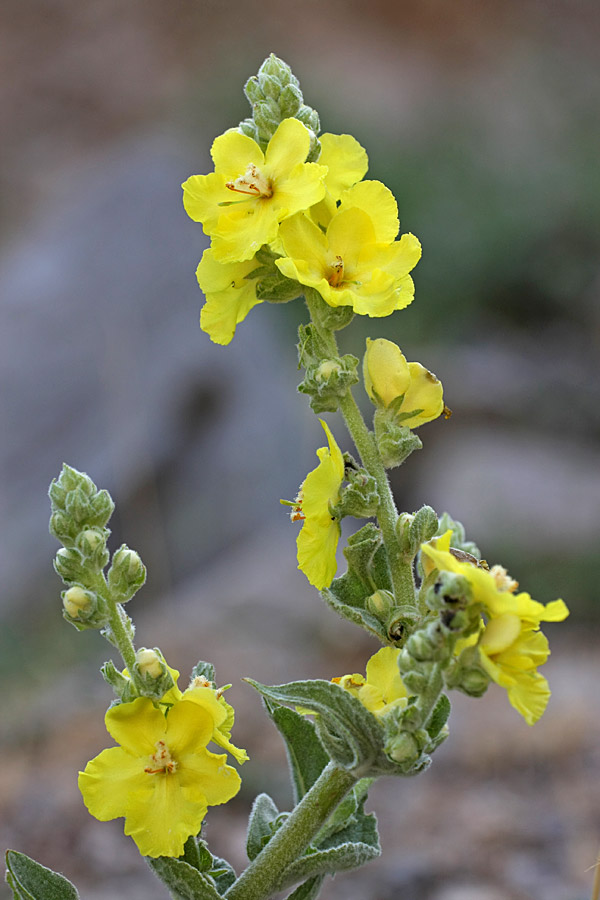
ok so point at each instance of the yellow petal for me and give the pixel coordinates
(202, 199)
(229, 295)
(243, 229)
(303, 187)
(380, 205)
(208, 773)
(288, 147)
(383, 673)
(501, 633)
(530, 696)
(348, 232)
(317, 544)
(385, 370)
(162, 817)
(424, 393)
(136, 726)
(190, 726)
(108, 780)
(233, 152)
(346, 160)
(302, 240)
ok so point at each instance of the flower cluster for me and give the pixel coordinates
(328, 229)
(507, 644)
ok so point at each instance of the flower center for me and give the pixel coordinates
(336, 275)
(503, 580)
(252, 182)
(161, 761)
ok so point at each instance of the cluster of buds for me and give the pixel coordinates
(80, 514)
(274, 94)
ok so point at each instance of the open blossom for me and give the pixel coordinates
(356, 262)
(242, 202)
(161, 778)
(383, 689)
(320, 532)
(509, 643)
(415, 393)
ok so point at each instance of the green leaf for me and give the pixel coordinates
(327, 862)
(350, 734)
(345, 596)
(29, 880)
(306, 757)
(262, 824)
(361, 828)
(439, 716)
(184, 881)
(222, 873)
(308, 890)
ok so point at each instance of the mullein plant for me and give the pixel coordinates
(290, 213)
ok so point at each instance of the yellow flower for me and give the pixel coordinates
(161, 778)
(320, 533)
(489, 587)
(417, 395)
(382, 689)
(243, 201)
(230, 295)
(356, 262)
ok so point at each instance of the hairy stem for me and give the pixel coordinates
(401, 571)
(262, 877)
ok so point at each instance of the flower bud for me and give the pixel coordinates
(403, 749)
(253, 90)
(380, 604)
(151, 676)
(267, 118)
(63, 528)
(68, 564)
(79, 603)
(290, 101)
(385, 371)
(149, 663)
(91, 543)
(102, 507)
(126, 575)
(248, 128)
(269, 86)
(310, 118)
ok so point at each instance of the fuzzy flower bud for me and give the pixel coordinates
(79, 603)
(149, 662)
(126, 575)
(68, 564)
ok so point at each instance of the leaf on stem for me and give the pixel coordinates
(29, 880)
(306, 757)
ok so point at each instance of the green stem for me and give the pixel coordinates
(262, 877)
(401, 571)
(118, 629)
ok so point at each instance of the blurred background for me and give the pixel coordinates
(482, 117)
